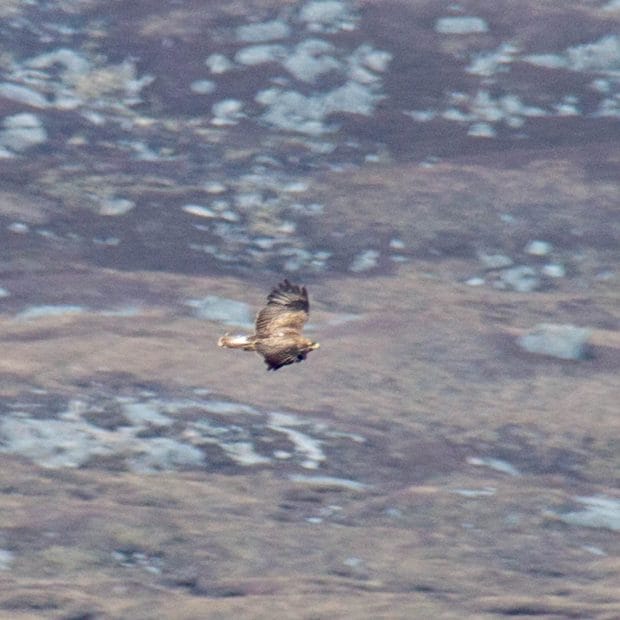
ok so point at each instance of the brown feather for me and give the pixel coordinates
(279, 325)
(287, 309)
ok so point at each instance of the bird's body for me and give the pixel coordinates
(279, 325)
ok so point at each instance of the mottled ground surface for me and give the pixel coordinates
(421, 464)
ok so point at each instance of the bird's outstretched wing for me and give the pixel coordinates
(282, 356)
(286, 310)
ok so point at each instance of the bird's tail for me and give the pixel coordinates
(236, 342)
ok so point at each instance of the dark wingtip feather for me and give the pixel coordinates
(287, 287)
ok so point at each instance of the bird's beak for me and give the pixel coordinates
(315, 345)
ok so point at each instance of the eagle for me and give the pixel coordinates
(277, 335)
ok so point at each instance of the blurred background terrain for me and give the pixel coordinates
(444, 177)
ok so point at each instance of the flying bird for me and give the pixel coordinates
(278, 329)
